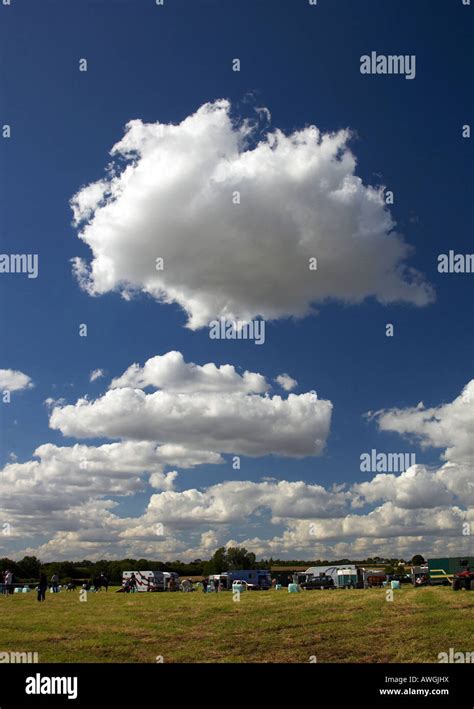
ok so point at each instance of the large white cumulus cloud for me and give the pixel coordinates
(449, 426)
(299, 198)
(229, 423)
(200, 407)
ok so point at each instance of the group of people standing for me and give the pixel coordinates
(212, 584)
(42, 586)
(7, 584)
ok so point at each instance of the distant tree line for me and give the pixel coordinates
(224, 559)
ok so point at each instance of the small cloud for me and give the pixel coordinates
(50, 402)
(12, 380)
(286, 382)
(96, 374)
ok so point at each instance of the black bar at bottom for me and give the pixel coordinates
(427, 685)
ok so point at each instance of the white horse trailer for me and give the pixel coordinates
(145, 580)
(152, 580)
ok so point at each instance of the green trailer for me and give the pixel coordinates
(441, 571)
(347, 578)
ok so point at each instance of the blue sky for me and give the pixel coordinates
(161, 64)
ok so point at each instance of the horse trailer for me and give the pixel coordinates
(152, 580)
(343, 575)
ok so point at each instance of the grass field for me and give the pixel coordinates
(273, 626)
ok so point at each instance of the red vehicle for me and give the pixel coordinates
(464, 578)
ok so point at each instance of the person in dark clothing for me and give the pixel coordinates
(42, 587)
(204, 585)
(103, 581)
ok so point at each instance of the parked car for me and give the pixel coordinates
(310, 582)
(258, 579)
(403, 578)
(240, 585)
